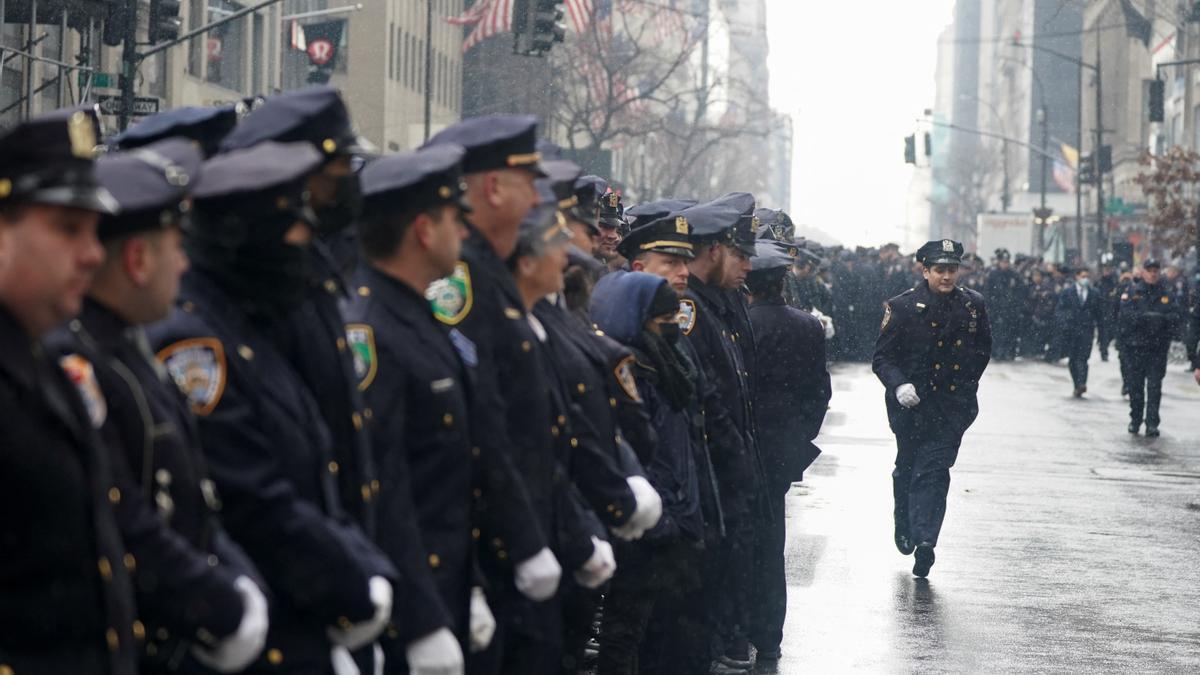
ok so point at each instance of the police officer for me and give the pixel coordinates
(708, 320)
(411, 232)
(267, 445)
(1108, 287)
(1148, 318)
(791, 398)
(1078, 316)
(145, 420)
(611, 221)
(933, 346)
(1004, 290)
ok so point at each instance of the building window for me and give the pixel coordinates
(391, 51)
(225, 46)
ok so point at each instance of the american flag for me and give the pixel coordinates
(580, 12)
(489, 18)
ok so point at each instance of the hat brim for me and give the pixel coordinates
(96, 199)
(946, 259)
(747, 248)
(671, 250)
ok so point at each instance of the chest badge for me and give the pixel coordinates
(81, 374)
(361, 339)
(686, 316)
(451, 297)
(624, 374)
(197, 366)
(887, 316)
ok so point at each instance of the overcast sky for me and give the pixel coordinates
(854, 75)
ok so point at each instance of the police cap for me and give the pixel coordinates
(611, 210)
(940, 252)
(1151, 264)
(746, 231)
(772, 256)
(49, 159)
(266, 179)
(206, 126)
(650, 211)
(670, 234)
(150, 184)
(712, 223)
(413, 181)
(1003, 254)
(588, 192)
(495, 142)
(562, 175)
(543, 225)
(775, 221)
(316, 115)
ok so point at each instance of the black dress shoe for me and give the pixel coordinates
(1151, 432)
(924, 556)
(904, 543)
(1133, 428)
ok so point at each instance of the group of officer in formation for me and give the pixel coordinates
(273, 404)
(1038, 310)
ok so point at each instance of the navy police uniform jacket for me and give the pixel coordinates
(794, 392)
(1148, 317)
(409, 370)
(941, 345)
(145, 421)
(66, 599)
(270, 454)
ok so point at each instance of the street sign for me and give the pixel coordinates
(142, 105)
(99, 80)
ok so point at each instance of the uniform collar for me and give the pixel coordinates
(101, 323)
(394, 292)
(17, 350)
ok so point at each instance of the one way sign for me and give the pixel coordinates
(142, 105)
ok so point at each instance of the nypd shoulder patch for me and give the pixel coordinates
(81, 374)
(197, 365)
(451, 297)
(361, 338)
(686, 316)
(624, 374)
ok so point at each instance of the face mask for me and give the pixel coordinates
(670, 332)
(345, 207)
(1084, 283)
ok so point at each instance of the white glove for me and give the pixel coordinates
(483, 623)
(362, 634)
(599, 568)
(906, 394)
(343, 663)
(537, 578)
(435, 654)
(645, 514)
(233, 653)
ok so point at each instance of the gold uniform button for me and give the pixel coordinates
(366, 493)
(375, 487)
(6, 669)
(341, 344)
(611, 508)
(105, 569)
(612, 402)
(448, 420)
(939, 343)
(475, 533)
(475, 451)
(618, 513)
(562, 419)
(574, 442)
(330, 286)
(581, 387)
(434, 561)
(937, 366)
(333, 468)
(364, 291)
(139, 630)
(129, 561)
(114, 642)
(958, 343)
(274, 656)
(245, 352)
(114, 497)
(356, 420)
(526, 346)
(956, 366)
(934, 387)
(952, 387)
(368, 413)
(554, 431)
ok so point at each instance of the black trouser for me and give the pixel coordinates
(1145, 368)
(647, 625)
(920, 484)
(579, 614)
(770, 587)
(1078, 353)
(528, 638)
(1106, 333)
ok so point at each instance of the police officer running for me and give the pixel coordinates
(933, 346)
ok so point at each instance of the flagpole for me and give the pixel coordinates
(428, 66)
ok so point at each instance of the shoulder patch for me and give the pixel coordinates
(81, 374)
(362, 347)
(198, 367)
(451, 297)
(686, 316)
(887, 315)
(624, 374)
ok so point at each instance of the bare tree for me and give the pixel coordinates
(1169, 183)
(967, 179)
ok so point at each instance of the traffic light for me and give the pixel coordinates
(116, 22)
(164, 23)
(1042, 216)
(1105, 163)
(1087, 172)
(928, 144)
(1157, 89)
(548, 26)
(910, 149)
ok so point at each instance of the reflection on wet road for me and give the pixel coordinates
(1069, 545)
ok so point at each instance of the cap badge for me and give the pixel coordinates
(5, 187)
(444, 192)
(947, 246)
(82, 135)
(614, 199)
(329, 146)
(681, 225)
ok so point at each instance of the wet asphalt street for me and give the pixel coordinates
(1069, 545)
